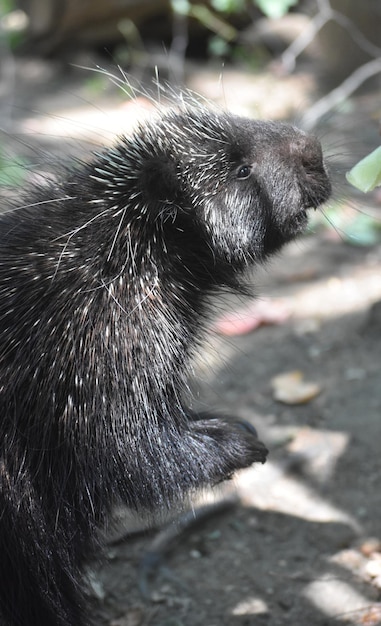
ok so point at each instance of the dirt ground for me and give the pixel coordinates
(301, 543)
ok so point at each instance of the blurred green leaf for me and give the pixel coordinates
(181, 7)
(363, 230)
(366, 174)
(6, 6)
(228, 6)
(213, 22)
(218, 47)
(13, 171)
(354, 227)
(275, 8)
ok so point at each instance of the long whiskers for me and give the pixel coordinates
(340, 232)
(138, 305)
(71, 234)
(40, 203)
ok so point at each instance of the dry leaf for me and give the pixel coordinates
(372, 616)
(134, 617)
(290, 388)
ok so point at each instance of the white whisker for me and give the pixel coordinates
(138, 305)
(71, 234)
(40, 203)
(116, 234)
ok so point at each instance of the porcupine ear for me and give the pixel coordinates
(159, 180)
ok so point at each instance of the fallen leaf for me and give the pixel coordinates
(372, 616)
(259, 313)
(291, 388)
(370, 546)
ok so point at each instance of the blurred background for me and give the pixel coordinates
(183, 41)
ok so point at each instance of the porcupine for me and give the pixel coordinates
(105, 274)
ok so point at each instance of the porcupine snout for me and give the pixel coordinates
(306, 153)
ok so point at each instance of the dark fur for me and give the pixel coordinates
(103, 286)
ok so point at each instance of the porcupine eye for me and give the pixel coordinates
(244, 172)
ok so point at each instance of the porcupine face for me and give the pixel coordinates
(249, 182)
(217, 186)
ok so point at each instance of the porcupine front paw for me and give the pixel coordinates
(225, 446)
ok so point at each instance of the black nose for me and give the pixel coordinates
(306, 153)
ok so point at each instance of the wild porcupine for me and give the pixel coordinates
(104, 276)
